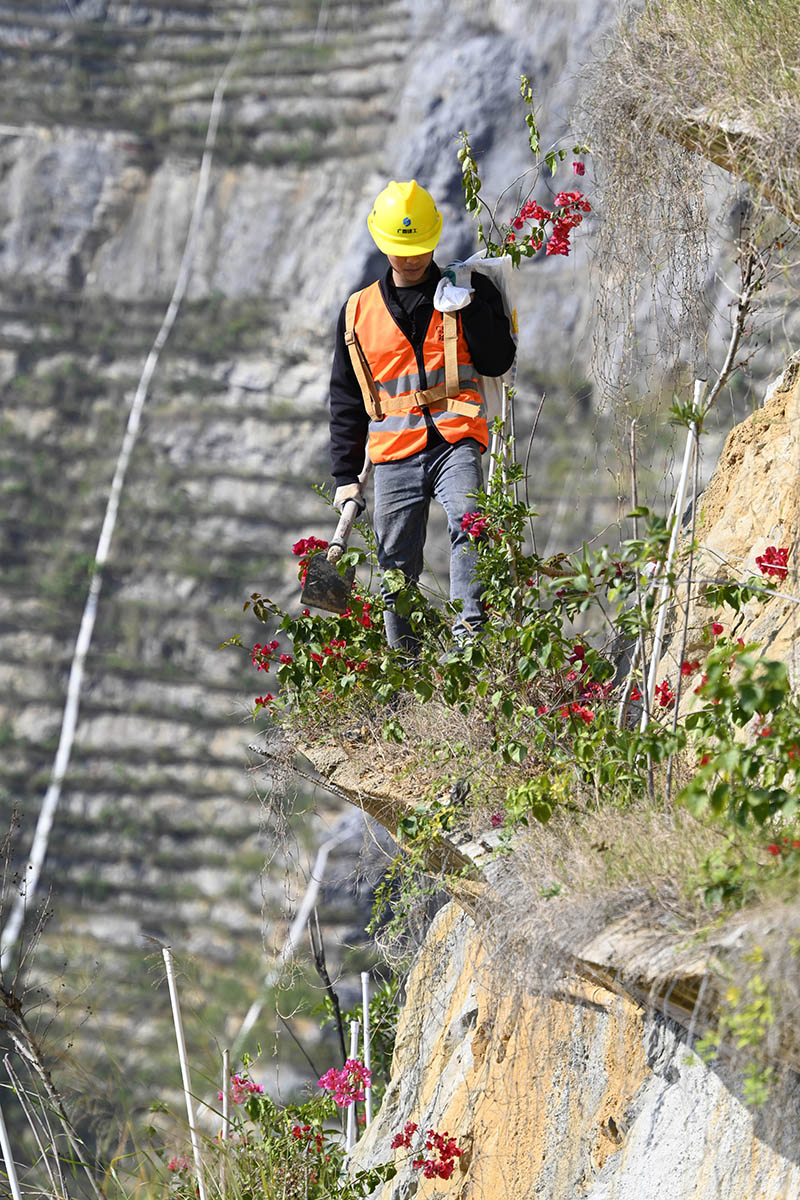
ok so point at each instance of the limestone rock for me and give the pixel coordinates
(582, 1095)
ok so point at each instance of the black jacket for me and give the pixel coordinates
(487, 333)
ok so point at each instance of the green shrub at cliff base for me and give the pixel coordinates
(273, 1152)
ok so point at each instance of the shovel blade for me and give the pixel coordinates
(325, 587)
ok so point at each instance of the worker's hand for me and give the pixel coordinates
(348, 491)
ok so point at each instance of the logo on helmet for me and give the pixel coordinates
(406, 220)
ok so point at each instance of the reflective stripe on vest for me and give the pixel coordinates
(388, 374)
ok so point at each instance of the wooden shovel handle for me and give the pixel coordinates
(350, 510)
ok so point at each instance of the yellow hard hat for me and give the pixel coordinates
(404, 220)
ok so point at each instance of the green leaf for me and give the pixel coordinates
(515, 751)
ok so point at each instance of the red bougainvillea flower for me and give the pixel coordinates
(474, 523)
(717, 629)
(635, 693)
(664, 694)
(262, 655)
(578, 168)
(688, 668)
(303, 550)
(308, 546)
(583, 714)
(773, 561)
(497, 820)
(263, 701)
(404, 1138)
(448, 1151)
(772, 848)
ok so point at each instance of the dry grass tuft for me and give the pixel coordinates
(684, 85)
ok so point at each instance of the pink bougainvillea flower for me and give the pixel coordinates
(348, 1083)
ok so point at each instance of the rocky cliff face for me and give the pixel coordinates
(583, 1093)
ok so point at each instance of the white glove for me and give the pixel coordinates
(450, 298)
(348, 491)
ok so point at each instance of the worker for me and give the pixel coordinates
(404, 386)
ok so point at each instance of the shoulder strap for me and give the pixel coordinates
(451, 383)
(360, 365)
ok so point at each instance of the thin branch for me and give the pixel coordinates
(751, 283)
(27, 1109)
(525, 469)
(318, 950)
(297, 1042)
(28, 1048)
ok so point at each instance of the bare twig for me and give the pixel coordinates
(318, 950)
(751, 281)
(30, 1117)
(297, 1042)
(28, 1048)
(525, 469)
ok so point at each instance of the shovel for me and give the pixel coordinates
(324, 587)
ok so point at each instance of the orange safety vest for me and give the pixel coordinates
(386, 368)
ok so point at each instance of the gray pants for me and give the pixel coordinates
(403, 492)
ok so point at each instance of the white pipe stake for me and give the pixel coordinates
(226, 1118)
(351, 1112)
(184, 1062)
(680, 499)
(226, 1093)
(367, 1049)
(8, 1159)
